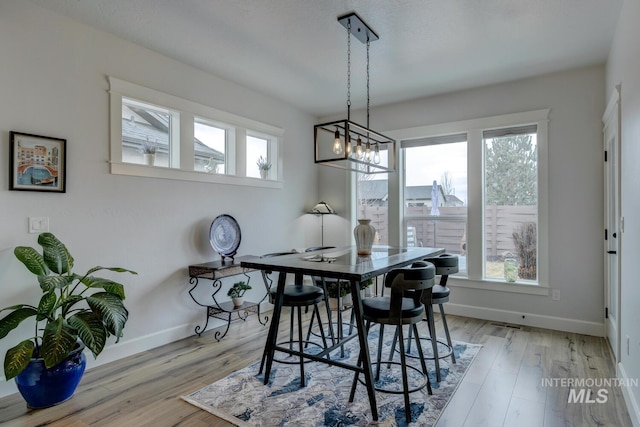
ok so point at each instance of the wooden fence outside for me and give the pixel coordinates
(500, 224)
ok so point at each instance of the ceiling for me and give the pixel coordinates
(296, 50)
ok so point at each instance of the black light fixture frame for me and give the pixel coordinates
(350, 131)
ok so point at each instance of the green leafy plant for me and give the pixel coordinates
(73, 308)
(263, 164)
(366, 283)
(238, 289)
(338, 289)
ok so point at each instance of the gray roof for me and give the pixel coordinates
(376, 189)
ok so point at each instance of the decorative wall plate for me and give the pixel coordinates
(224, 236)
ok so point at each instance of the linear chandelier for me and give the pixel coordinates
(345, 144)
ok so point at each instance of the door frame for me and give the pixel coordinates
(612, 127)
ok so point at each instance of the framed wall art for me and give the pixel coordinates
(37, 163)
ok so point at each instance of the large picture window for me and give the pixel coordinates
(511, 203)
(479, 189)
(435, 193)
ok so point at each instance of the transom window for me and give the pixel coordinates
(159, 135)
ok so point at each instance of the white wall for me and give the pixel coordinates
(576, 99)
(623, 68)
(53, 82)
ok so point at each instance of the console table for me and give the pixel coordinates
(215, 271)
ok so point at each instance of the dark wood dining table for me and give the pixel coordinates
(339, 263)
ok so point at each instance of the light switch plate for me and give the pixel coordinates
(38, 224)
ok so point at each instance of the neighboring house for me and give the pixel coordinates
(140, 125)
(375, 193)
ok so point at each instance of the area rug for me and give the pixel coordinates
(243, 400)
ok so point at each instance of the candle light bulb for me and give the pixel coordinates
(337, 145)
(359, 148)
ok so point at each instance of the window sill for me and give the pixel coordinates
(488, 285)
(131, 169)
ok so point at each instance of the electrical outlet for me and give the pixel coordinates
(38, 224)
(555, 294)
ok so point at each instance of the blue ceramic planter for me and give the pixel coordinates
(41, 387)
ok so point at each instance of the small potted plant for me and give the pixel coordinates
(236, 292)
(263, 166)
(75, 311)
(148, 150)
(339, 294)
(365, 286)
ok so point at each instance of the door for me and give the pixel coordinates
(613, 236)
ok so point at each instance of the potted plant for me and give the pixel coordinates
(74, 312)
(149, 150)
(236, 292)
(263, 165)
(339, 294)
(365, 286)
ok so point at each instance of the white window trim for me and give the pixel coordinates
(188, 111)
(475, 261)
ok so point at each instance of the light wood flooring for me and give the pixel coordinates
(502, 388)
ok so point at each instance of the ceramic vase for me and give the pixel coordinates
(237, 301)
(347, 301)
(364, 234)
(149, 159)
(510, 270)
(264, 173)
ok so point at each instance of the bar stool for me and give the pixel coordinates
(408, 287)
(445, 265)
(296, 296)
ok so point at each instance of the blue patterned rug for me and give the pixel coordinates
(243, 400)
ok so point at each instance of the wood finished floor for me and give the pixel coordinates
(502, 388)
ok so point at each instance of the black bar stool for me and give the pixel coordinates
(445, 265)
(408, 287)
(295, 296)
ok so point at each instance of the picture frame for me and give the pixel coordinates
(37, 163)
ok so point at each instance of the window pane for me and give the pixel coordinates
(209, 147)
(435, 195)
(372, 199)
(257, 148)
(146, 129)
(511, 205)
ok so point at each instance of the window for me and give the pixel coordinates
(510, 203)
(435, 193)
(146, 127)
(491, 192)
(159, 135)
(210, 146)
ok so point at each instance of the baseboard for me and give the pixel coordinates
(528, 319)
(632, 404)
